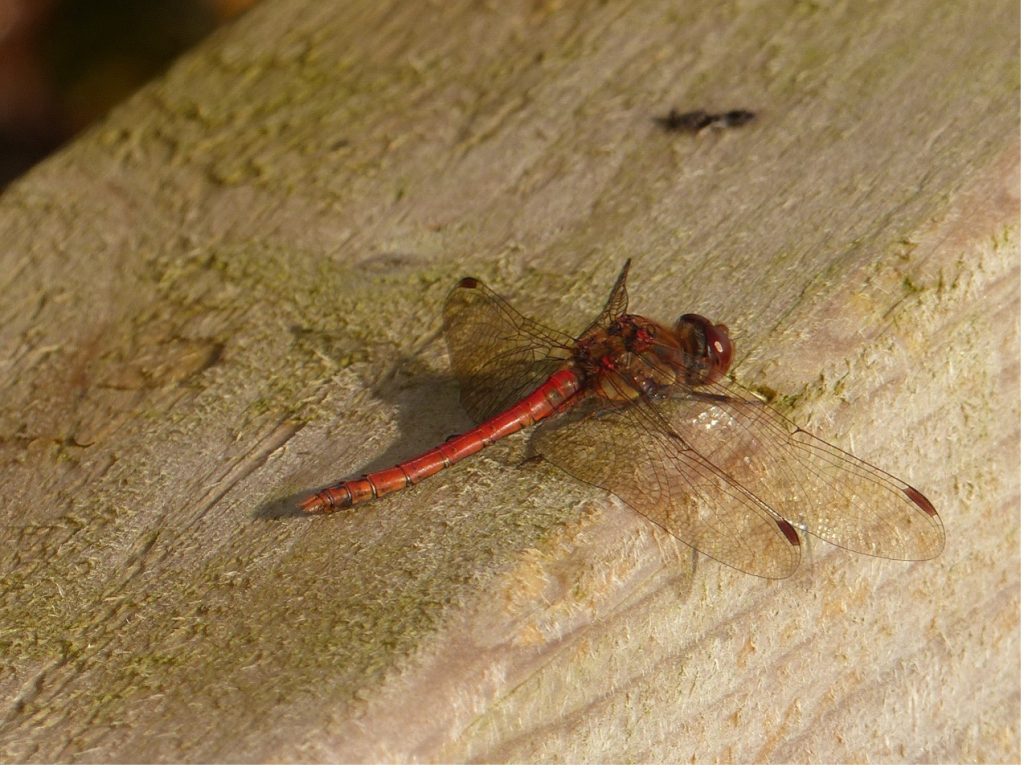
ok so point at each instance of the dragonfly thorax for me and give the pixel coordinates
(629, 358)
(634, 356)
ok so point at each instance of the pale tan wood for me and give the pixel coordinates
(230, 292)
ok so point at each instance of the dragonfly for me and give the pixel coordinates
(645, 411)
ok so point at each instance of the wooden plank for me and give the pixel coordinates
(229, 292)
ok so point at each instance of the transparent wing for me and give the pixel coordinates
(618, 301)
(629, 452)
(812, 484)
(497, 354)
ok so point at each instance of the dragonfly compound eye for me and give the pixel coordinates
(703, 339)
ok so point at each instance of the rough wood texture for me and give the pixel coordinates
(230, 292)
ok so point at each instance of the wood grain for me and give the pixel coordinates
(229, 292)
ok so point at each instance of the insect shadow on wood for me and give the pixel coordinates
(699, 120)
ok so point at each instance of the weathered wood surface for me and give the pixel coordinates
(229, 292)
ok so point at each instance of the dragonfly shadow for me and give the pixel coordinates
(281, 508)
(425, 411)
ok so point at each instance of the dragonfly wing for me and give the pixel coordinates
(497, 354)
(814, 485)
(618, 301)
(627, 452)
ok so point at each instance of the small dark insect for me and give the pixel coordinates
(698, 120)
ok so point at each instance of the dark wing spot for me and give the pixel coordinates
(789, 531)
(918, 498)
(468, 282)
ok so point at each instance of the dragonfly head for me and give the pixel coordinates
(707, 343)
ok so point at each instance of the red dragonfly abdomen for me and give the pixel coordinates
(555, 392)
